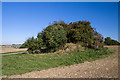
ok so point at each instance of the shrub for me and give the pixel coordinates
(33, 45)
(24, 45)
(36, 51)
(82, 31)
(54, 37)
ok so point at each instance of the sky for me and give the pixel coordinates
(60, 0)
(22, 20)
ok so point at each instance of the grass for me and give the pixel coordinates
(22, 63)
(12, 52)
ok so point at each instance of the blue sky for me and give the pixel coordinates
(60, 0)
(21, 20)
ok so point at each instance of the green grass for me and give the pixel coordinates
(22, 63)
(12, 52)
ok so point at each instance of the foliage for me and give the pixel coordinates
(54, 37)
(109, 41)
(24, 45)
(62, 23)
(82, 32)
(33, 45)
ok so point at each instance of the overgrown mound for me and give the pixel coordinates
(55, 36)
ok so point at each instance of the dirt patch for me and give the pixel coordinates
(102, 68)
(72, 47)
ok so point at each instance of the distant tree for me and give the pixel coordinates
(109, 41)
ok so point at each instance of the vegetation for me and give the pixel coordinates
(81, 31)
(58, 34)
(54, 37)
(78, 41)
(24, 45)
(109, 41)
(22, 63)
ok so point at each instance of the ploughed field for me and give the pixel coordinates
(10, 49)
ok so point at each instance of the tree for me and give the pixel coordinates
(82, 31)
(54, 36)
(109, 41)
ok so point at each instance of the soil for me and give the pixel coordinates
(12, 50)
(102, 68)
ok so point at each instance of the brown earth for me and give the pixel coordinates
(102, 68)
(11, 50)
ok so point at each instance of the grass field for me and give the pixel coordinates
(22, 63)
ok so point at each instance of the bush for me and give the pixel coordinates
(24, 45)
(37, 51)
(54, 37)
(82, 32)
(33, 45)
